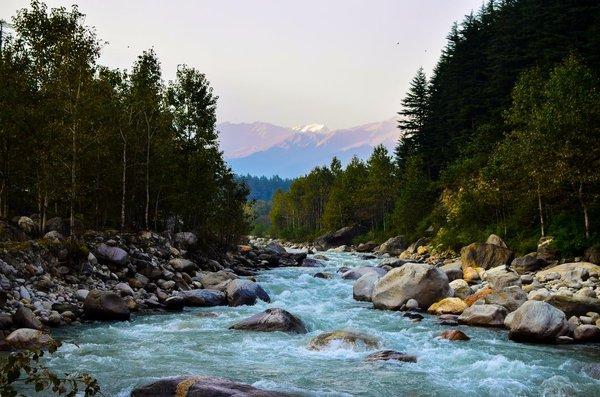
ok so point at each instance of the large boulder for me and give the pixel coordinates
(213, 280)
(105, 305)
(272, 320)
(485, 256)
(393, 246)
(245, 292)
(350, 338)
(276, 248)
(587, 333)
(496, 240)
(448, 306)
(511, 298)
(453, 270)
(358, 272)
(483, 315)
(200, 386)
(343, 236)
(425, 283)
(567, 269)
(203, 298)
(114, 255)
(527, 263)
(537, 321)
(546, 249)
(576, 305)
(27, 338)
(25, 318)
(366, 247)
(28, 225)
(362, 290)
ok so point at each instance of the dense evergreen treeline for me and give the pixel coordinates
(108, 148)
(263, 188)
(504, 137)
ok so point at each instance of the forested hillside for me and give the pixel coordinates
(503, 137)
(263, 188)
(103, 147)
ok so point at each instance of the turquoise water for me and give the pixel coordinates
(122, 355)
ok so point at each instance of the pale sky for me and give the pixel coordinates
(337, 62)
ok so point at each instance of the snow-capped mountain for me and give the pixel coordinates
(267, 149)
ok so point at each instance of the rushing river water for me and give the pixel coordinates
(122, 355)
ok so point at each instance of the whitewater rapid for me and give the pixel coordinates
(126, 354)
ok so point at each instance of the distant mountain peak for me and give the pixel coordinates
(314, 128)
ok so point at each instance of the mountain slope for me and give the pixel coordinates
(266, 149)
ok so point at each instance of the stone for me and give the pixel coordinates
(483, 315)
(245, 292)
(387, 355)
(211, 280)
(54, 236)
(362, 290)
(81, 294)
(470, 275)
(350, 338)
(453, 270)
(511, 298)
(537, 321)
(538, 294)
(25, 318)
(197, 386)
(566, 268)
(27, 338)
(393, 246)
(124, 289)
(6, 321)
(105, 305)
(574, 305)
(114, 255)
(392, 262)
(186, 239)
(496, 240)
(546, 249)
(343, 236)
(323, 275)
(587, 333)
(527, 263)
(412, 304)
(341, 248)
(367, 247)
(422, 250)
(183, 265)
(502, 279)
(413, 315)
(448, 306)
(358, 272)
(454, 335)
(270, 320)
(481, 294)
(203, 298)
(461, 288)
(592, 255)
(27, 225)
(276, 248)
(422, 282)
(485, 256)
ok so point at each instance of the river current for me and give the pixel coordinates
(198, 341)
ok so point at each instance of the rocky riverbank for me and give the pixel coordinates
(109, 276)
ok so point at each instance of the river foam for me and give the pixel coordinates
(123, 355)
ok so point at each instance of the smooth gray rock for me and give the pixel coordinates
(105, 305)
(362, 290)
(203, 298)
(537, 321)
(245, 292)
(114, 255)
(270, 320)
(483, 315)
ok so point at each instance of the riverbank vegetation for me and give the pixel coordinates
(104, 147)
(503, 138)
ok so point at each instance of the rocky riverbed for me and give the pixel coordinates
(265, 320)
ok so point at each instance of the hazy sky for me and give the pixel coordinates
(336, 62)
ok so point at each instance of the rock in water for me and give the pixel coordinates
(272, 320)
(363, 287)
(358, 272)
(386, 355)
(425, 283)
(345, 337)
(484, 315)
(537, 321)
(27, 338)
(587, 333)
(105, 305)
(203, 298)
(245, 292)
(201, 386)
(112, 254)
(454, 334)
(485, 256)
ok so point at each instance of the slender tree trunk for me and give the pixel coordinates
(123, 183)
(73, 179)
(147, 183)
(541, 211)
(584, 207)
(44, 211)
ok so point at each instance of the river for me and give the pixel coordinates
(123, 355)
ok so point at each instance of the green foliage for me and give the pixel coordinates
(24, 367)
(120, 149)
